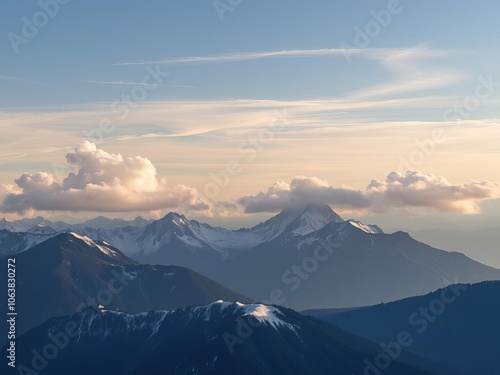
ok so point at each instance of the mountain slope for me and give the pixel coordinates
(458, 325)
(358, 268)
(12, 243)
(204, 340)
(478, 244)
(68, 272)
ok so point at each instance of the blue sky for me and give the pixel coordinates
(347, 122)
(85, 39)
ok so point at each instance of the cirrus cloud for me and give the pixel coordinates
(104, 182)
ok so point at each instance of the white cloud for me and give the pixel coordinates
(302, 190)
(6, 189)
(124, 83)
(243, 56)
(410, 73)
(103, 182)
(410, 190)
(415, 189)
(8, 78)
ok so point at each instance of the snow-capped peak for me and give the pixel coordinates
(301, 220)
(266, 314)
(262, 313)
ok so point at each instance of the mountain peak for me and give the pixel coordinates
(173, 215)
(312, 209)
(308, 218)
(73, 243)
(175, 218)
(297, 220)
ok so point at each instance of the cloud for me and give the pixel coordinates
(243, 56)
(373, 53)
(300, 191)
(410, 73)
(124, 83)
(410, 190)
(10, 78)
(415, 189)
(405, 63)
(104, 182)
(6, 189)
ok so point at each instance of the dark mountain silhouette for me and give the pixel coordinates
(458, 325)
(219, 338)
(68, 272)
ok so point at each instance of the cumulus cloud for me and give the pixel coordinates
(415, 189)
(104, 182)
(6, 189)
(411, 190)
(303, 190)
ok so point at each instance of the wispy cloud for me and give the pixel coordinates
(374, 53)
(407, 65)
(10, 78)
(410, 72)
(123, 83)
(242, 56)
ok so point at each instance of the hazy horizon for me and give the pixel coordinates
(366, 111)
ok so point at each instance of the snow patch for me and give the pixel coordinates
(85, 239)
(103, 249)
(129, 275)
(266, 314)
(372, 229)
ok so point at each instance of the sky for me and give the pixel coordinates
(230, 111)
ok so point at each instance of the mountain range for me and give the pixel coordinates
(70, 272)
(38, 223)
(218, 338)
(308, 257)
(152, 305)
